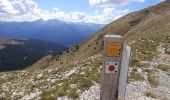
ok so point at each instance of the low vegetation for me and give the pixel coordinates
(86, 74)
(134, 76)
(152, 79)
(73, 93)
(165, 68)
(150, 94)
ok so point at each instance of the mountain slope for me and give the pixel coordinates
(18, 54)
(76, 72)
(146, 23)
(51, 30)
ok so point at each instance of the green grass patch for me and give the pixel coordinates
(5, 98)
(85, 84)
(134, 76)
(135, 61)
(96, 77)
(164, 67)
(149, 94)
(53, 72)
(50, 94)
(82, 81)
(57, 91)
(145, 65)
(3, 81)
(61, 92)
(153, 81)
(48, 98)
(147, 70)
(145, 48)
(147, 55)
(73, 93)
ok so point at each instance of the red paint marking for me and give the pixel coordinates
(111, 68)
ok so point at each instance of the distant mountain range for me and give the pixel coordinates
(137, 28)
(65, 33)
(24, 43)
(18, 54)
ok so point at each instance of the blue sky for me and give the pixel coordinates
(65, 5)
(91, 11)
(83, 5)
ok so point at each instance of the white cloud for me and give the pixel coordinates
(141, 1)
(109, 15)
(6, 7)
(18, 10)
(112, 3)
(28, 10)
(108, 11)
(77, 15)
(161, 0)
(25, 6)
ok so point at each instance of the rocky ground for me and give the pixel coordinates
(51, 83)
(81, 81)
(144, 89)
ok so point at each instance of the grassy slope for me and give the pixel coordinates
(144, 31)
(148, 23)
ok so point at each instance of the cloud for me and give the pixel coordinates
(6, 7)
(18, 10)
(108, 15)
(141, 1)
(112, 3)
(107, 3)
(108, 11)
(77, 15)
(25, 6)
(28, 10)
(20, 7)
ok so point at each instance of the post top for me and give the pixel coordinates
(115, 36)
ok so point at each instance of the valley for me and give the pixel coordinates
(18, 54)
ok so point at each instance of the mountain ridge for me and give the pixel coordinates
(51, 30)
(132, 26)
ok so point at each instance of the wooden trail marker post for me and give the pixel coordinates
(115, 68)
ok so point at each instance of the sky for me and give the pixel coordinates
(88, 11)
